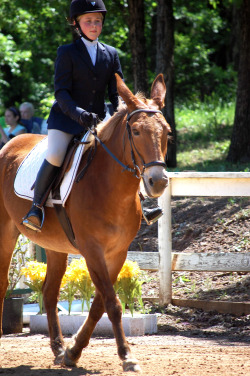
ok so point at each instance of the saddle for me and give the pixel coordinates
(59, 190)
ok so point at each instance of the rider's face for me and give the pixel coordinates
(91, 24)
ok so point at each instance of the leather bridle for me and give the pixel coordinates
(140, 173)
(136, 170)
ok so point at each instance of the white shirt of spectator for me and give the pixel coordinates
(92, 48)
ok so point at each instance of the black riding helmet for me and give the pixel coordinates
(78, 7)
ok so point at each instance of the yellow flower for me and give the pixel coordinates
(35, 271)
(77, 278)
(130, 269)
(128, 285)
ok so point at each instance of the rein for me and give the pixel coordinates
(136, 170)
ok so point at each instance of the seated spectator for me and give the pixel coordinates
(33, 124)
(13, 128)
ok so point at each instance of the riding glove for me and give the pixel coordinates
(88, 119)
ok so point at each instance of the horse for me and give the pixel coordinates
(104, 210)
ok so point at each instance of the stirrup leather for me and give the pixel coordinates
(32, 213)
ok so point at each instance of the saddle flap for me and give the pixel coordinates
(27, 171)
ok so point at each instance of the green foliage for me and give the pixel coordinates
(35, 272)
(30, 33)
(128, 290)
(203, 134)
(128, 286)
(77, 279)
(45, 104)
(181, 280)
(200, 57)
(68, 293)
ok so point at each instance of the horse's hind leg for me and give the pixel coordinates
(56, 267)
(8, 236)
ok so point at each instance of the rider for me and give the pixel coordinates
(84, 70)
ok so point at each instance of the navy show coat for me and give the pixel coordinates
(79, 85)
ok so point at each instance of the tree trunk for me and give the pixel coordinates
(239, 150)
(136, 22)
(165, 65)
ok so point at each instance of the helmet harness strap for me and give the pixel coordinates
(77, 26)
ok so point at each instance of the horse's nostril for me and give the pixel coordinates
(151, 182)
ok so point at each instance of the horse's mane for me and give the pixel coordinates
(106, 129)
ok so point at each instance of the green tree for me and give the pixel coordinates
(204, 62)
(206, 53)
(165, 65)
(33, 31)
(136, 23)
(239, 150)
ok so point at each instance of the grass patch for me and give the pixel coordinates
(203, 136)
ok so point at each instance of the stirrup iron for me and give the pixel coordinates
(150, 215)
(153, 215)
(33, 226)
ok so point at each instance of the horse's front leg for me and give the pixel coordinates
(107, 300)
(56, 267)
(114, 311)
(82, 337)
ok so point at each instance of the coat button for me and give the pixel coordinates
(93, 91)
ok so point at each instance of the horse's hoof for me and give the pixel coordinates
(67, 361)
(131, 365)
(59, 358)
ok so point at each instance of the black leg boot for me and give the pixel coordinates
(45, 178)
(150, 215)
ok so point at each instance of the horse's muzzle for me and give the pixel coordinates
(155, 181)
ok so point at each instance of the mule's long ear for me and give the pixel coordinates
(158, 91)
(124, 92)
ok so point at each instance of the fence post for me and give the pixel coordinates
(165, 248)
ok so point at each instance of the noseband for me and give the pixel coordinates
(140, 173)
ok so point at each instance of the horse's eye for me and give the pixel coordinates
(136, 132)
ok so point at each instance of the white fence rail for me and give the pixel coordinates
(193, 184)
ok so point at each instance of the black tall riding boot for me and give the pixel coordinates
(45, 178)
(150, 215)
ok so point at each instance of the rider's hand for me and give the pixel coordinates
(88, 119)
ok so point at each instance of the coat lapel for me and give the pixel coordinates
(82, 50)
(100, 56)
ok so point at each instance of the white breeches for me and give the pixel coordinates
(58, 142)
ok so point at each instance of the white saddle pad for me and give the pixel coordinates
(27, 172)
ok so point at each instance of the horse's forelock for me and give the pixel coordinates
(141, 96)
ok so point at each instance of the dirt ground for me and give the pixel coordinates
(189, 341)
(158, 355)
